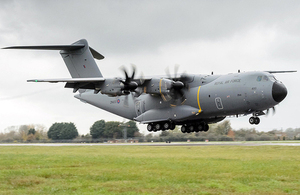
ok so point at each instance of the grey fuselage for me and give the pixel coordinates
(209, 98)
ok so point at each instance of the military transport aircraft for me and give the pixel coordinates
(190, 100)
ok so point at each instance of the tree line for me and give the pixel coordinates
(68, 131)
(102, 131)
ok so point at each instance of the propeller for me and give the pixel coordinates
(177, 86)
(129, 84)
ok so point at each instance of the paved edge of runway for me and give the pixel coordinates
(159, 144)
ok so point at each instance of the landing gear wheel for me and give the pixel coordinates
(157, 126)
(199, 127)
(257, 121)
(183, 129)
(166, 125)
(191, 128)
(172, 127)
(206, 127)
(252, 120)
(149, 127)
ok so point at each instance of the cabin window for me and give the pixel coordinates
(259, 78)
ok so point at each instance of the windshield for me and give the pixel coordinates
(272, 78)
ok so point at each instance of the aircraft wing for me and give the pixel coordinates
(69, 80)
(76, 83)
(284, 71)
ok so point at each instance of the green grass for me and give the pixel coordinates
(150, 170)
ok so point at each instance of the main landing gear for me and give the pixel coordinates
(254, 120)
(185, 128)
(160, 126)
(196, 127)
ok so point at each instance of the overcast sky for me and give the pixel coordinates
(200, 36)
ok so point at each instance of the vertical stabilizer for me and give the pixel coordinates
(80, 62)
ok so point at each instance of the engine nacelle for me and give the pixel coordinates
(113, 92)
(113, 87)
(158, 86)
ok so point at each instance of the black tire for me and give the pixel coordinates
(149, 127)
(200, 127)
(257, 121)
(166, 125)
(252, 120)
(183, 129)
(172, 126)
(157, 127)
(206, 127)
(191, 128)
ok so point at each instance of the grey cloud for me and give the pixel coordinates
(131, 26)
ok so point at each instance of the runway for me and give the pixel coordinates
(159, 144)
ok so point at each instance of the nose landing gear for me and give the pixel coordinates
(254, 120)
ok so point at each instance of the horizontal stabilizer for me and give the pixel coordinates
(49, 47)
(95, 54)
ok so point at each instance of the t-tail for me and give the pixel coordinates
(78, 57)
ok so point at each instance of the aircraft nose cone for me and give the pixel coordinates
(279, 91)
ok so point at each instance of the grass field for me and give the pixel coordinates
(150, 170)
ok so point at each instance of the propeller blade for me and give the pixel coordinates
(268, 111)
(125, 72)
(129, 84)
(133, 71)
(176, 70)
(167, 70)
(142, 80)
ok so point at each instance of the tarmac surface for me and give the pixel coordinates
(160, 144)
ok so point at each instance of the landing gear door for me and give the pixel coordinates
(139, 107)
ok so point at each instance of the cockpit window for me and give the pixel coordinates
(259, 78)
(272, 78)
(265, 78)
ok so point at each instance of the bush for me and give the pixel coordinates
(62, 131)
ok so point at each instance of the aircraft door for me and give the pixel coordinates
(219, 104)
(139, 107)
